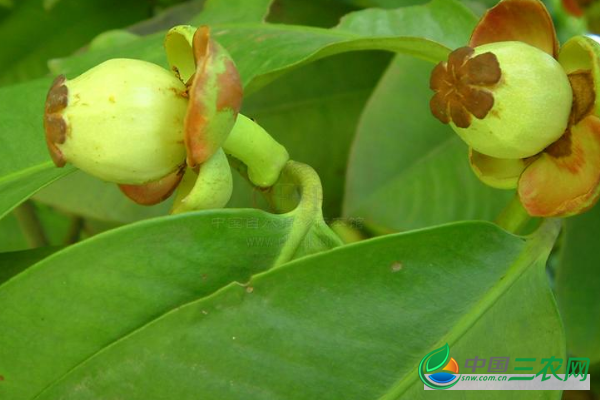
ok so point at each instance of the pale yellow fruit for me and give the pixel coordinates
(532, 104)
(125, 122)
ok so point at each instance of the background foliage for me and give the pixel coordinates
(100, 297)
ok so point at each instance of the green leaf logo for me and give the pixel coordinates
(436, 360)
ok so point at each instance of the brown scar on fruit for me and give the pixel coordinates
(461, 86)
(55, 127)
(584, 96)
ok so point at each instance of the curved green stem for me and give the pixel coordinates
(298, 193)
(252, 145)
(301, 181)
(514, 217)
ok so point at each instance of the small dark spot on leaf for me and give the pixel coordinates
(397, 266)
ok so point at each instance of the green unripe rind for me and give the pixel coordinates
(125, 122)
(532, 104)
(252, 145)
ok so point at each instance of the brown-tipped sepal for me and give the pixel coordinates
(497, 172)
(525, 21)
(565, 179)
(153, 192)
(55, 125)
(580, 58)
(215, 98)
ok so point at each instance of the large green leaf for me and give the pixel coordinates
(306, 330)
(37, 30)
(262, 52)
(407, 170)
(93, 293)
(15, 262)
(425, 32)
(578, 284)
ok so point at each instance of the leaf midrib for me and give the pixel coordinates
(153, 320)
(229, 286)
(11, 175)
(536, 247)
